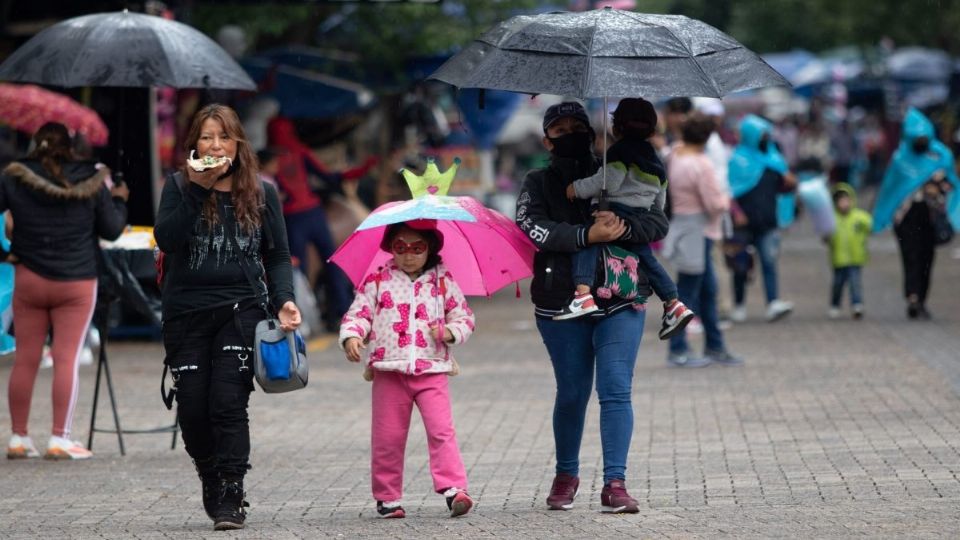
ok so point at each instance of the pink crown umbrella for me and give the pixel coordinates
(483, 249)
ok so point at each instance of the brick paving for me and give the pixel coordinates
(831, 429)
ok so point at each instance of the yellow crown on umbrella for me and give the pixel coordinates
(432, 181)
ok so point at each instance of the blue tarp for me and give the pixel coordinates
(305, 94)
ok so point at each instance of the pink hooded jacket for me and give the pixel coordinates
(394, 314)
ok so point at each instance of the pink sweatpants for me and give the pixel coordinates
(393, 397)
(38, 304)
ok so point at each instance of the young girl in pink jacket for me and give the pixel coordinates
(406, 315)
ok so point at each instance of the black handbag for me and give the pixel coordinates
(942, 229)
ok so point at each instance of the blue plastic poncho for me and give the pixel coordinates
(748, 163)
(7, 343)
(908, 171)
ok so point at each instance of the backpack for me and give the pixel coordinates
(159, 257)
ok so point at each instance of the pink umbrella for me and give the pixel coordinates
(26, 107)
(483, 255)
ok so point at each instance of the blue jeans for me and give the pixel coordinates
(768, 248)
(841, 276)
(585, 269)
(699, 293)
(577, 348)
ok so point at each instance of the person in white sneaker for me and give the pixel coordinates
(59, 205)
(758, 175)
(848, 250)
(699, 203)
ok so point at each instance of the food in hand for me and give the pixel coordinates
(206, 162)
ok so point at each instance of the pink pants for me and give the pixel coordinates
(39, 304)
(393, 397)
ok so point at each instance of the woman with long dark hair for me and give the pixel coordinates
(60, 206)
(226, 265)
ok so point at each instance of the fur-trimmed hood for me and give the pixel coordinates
(85, 179)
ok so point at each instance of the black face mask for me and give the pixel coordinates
(571, 145)
(921, 145)
(764, 145)
(230, 169)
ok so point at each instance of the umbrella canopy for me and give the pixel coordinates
(27, 107)
(484, 254)
(124, 49)
(608, 53)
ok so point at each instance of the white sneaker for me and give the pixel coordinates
(63, 448)
(739, 313)
(21, 447)
(695, 326)
(93, 337)
(858, 311)
(778, 309)
(833, 313)
(46, 360)
(86, 356)
(582, 304)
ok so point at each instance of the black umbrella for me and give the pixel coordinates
(124, 49)
(608, 53)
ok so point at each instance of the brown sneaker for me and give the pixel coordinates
(614, 499)
(563, 491)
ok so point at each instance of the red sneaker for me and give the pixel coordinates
(563, 491)
(581, 305)
(614, 499)
(459, 503)
(675, 319)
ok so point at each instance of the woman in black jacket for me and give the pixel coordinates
(603, 344)
(59, 206)
(226, 260)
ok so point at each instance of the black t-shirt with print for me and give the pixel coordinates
(202, 266)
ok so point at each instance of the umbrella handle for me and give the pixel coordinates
(603, 202)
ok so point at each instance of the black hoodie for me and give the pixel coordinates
(558, 226)
(55, 227)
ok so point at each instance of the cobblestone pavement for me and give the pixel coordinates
(831, 429)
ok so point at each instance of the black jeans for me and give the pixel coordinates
(213, 367)
(917, 248)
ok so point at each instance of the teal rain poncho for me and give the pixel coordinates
(908, 171)
(748, 163)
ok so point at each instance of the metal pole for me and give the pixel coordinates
(603, 203)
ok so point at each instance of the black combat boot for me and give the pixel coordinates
(210, 481)
(230, 513)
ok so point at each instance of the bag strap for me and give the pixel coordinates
(229, 227)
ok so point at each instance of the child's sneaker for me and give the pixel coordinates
(63, 448)
(458, 502)
(581, 305)
(675, 318)
(390, 510)
(21, 447)
(858, 311)
(614, 499)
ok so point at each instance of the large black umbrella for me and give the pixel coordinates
(124, 49)
(607, 53)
